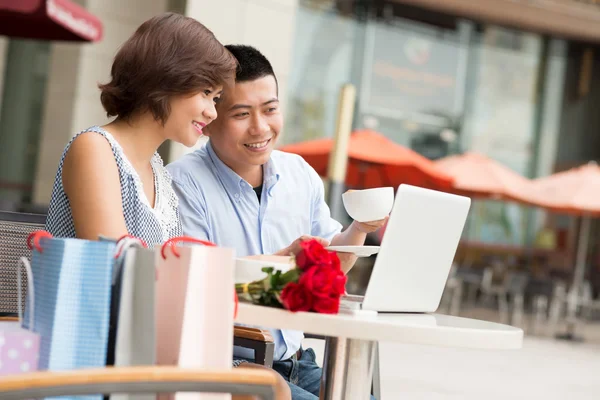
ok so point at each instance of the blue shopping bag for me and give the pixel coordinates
(72, 290)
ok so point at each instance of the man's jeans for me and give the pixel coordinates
(303, 375)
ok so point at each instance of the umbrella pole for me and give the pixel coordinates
(582, 251)
(338, 158)
(578, 278)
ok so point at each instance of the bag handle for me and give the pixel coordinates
(25, 262)
(124, 243)
(33, 240)
(187, 239)
(235, 303)
(127, 241)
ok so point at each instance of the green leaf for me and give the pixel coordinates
(268, 270)
(293, 275)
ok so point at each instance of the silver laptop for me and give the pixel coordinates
(416, 253)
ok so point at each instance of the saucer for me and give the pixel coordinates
(359, 251)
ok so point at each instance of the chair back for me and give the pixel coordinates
(14, 229)
(517, 282)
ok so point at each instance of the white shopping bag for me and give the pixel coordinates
(194, 309)
(135, 276)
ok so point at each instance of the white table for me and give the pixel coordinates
(350, 348)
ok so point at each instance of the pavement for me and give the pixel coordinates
(545, 368)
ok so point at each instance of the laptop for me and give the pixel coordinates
(416, 252)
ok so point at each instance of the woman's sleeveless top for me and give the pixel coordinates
(153, 225)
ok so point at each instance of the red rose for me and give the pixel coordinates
(312, 253)
(295, 297)
(335, 260)
(323, 280)
(339, 283)
(307, 278)
(326, 304)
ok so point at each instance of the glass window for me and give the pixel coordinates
(323, 51)
(21, 116)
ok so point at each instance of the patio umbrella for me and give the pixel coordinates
(575, 192)
(478, 176)
(48, 20)
(373, 161)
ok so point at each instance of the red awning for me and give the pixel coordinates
(48, 20)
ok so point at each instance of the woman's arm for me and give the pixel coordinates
(91, 182)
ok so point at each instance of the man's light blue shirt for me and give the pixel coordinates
(216, 204)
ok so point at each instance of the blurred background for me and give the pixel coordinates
(515, 80)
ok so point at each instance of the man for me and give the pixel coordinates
(238, 192)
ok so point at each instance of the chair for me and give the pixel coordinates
(156, 379)
(512, 285)
(14, 229)
(583, 303)
(515, 288)
(452, 295)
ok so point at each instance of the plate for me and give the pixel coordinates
(360, 251)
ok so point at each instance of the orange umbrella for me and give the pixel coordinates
(374, 161)
(476, 175)
(577, 192)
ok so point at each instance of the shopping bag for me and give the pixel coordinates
(132, 337)
(195, 308)
(19, 347)
(72, 286)
(135, 343)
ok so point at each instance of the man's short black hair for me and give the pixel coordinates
(252, 64)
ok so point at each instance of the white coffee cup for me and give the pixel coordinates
(369, 204)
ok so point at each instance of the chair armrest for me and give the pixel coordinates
(257, 334)
(151, 379)
(259, 340)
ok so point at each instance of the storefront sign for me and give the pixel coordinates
(412, 70)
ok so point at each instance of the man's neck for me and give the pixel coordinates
(254, 175)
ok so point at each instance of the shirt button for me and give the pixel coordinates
(237, 195)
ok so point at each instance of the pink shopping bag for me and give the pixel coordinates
(19, 347)
(195, 308)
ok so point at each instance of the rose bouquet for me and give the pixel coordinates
(316, 283)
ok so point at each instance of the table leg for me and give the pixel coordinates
(347, 369)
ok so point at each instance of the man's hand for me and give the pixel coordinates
(355, 235)
(370, 226)
(295, 248)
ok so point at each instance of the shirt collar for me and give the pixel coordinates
(235, 183)
(270, 175)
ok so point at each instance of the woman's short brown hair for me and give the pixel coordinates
(168, 55)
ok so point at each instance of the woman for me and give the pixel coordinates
(111, 181)
(166, 79)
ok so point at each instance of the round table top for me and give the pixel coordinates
(426, 329)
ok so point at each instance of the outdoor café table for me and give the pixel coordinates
(351, 338)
